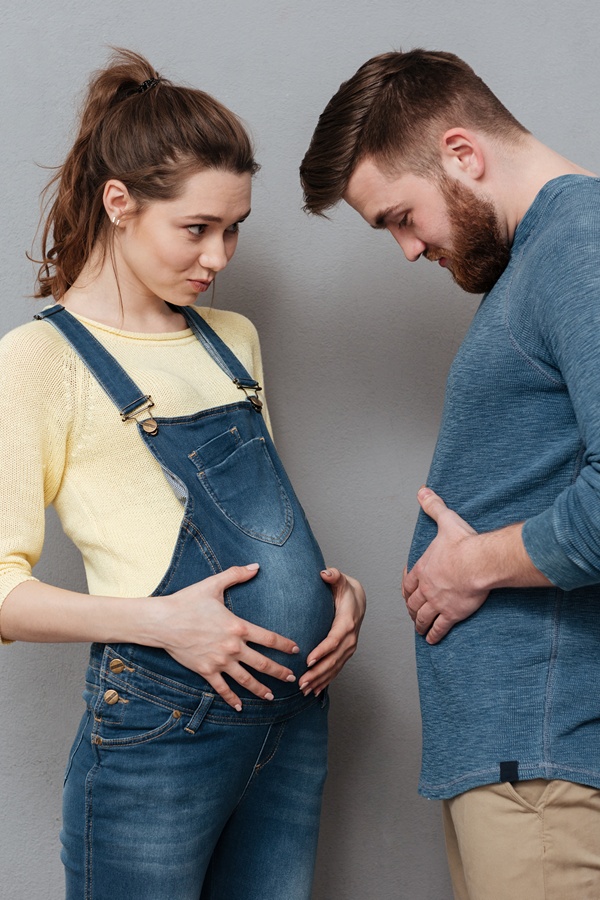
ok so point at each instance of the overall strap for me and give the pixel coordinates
(221, 354)
(112, 377)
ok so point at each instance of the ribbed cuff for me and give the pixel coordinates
(547, 554)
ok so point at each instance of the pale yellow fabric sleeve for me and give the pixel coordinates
(35, 417)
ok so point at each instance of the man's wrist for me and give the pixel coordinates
(499, 559)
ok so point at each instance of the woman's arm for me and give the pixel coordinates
(193, 625)
(327, 660)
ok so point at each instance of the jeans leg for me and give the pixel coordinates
(267, 850)
(143, 819)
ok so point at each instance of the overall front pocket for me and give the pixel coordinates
(246, 489)
(126, 717)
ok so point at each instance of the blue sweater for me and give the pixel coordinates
(514, 691)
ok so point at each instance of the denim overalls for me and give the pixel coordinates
(170, 794)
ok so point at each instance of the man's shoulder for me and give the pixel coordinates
(574, 202)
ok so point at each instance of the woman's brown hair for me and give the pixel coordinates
(144, 131)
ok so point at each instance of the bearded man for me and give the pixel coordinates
(503, 579)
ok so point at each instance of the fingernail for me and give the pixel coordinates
(311, 662)
(295, 649)
(306, 692)
(303, 685)
(253, 566)
(269, 696)
(318, 692)
(291, 678)
(424, 492)
(238, 708)
(326, 572)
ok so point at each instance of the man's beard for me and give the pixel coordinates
(479, 253)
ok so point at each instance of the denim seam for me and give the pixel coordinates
(138, 693)
(207, 551)
(196, 456)
(147, 673)
(146, 738)
(89, 845)
(175, 558)
(254, 768)
(202, 414)
(272, 719)
(260, 765)
(76, 747)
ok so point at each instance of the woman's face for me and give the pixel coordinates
(173, 249)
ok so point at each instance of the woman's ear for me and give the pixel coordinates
(117, 200)
(463, 153)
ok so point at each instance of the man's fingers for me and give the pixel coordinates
(438, 630)
(409, 583)
(431, 503)
(424, 618)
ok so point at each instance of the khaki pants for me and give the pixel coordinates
(532, 840)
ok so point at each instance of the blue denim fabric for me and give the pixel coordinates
(168, 791)
(514, 687)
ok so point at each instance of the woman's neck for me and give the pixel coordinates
(97, 295)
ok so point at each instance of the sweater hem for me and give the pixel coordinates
(527, 771)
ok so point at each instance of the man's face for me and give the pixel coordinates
(438, 218)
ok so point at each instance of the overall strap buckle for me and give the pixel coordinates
(135, 409)
(246, 387)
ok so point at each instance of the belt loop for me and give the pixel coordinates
(198, 716)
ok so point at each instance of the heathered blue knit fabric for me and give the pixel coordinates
(519, 681)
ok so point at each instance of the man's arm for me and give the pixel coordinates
(460, 567)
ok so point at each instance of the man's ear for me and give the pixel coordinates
(462, 154)
(117, 200)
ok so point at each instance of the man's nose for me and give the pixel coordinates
(411, 246)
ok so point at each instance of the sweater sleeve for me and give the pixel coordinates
(35, 417)
(563, 541)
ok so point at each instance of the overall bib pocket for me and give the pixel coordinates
(241, 481)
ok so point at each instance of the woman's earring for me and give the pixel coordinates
(115, 221)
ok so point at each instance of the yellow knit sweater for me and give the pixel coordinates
(62, 441)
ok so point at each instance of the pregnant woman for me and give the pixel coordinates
(198, 766)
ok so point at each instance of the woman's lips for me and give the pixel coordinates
(199, 286)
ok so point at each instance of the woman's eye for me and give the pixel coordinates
(196, 229)
(233, 229)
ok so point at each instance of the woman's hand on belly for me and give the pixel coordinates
(195, 627)
(331, 655)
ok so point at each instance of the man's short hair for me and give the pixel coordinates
(395, 109)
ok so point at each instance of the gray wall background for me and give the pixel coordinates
(356, 341)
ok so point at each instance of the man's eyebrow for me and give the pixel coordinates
(386, 214)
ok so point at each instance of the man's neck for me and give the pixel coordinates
(522, 173)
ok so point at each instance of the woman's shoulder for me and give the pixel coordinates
(37, 333)
(33, 354)
(230, 326)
